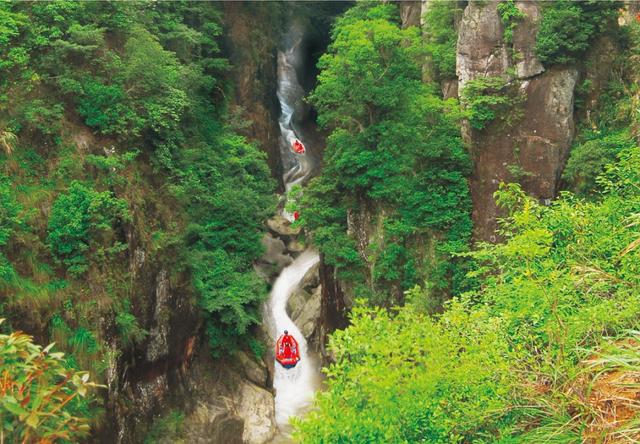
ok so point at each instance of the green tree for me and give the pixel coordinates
(227, 201)
(563, 284)
(393, 145)
(81, 218)
(568, 28)
(442, 38)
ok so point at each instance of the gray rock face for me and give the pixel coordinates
(304, 305)
(295, 247)
(296, 303)
(538, 146)
(212, 424)
(256, 371)
(311, 279)
(158, 346)
(480, 50)
(228, 402)
(410, 12)
(256, 407)
(274, 252)
(308, 317)
(534, 149)
(524, 41)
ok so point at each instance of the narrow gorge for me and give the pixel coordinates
(438, 200)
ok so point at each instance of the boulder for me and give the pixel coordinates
(295, 247)
(255, 371)
(274, 258)
(209, 423)
(281, 227)
(257, 408)
(311, 278)
(296, 302)
(308, 316)
(274, 252)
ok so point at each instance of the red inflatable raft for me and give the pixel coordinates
(287, 351)
(298, 147)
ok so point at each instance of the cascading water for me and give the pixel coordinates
(294, 387)
(290, 94)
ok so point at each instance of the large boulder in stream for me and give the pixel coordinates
(209, 423)
(309, 316)
(303, 306)
(281, 227)
(256, 406)
(274, 258)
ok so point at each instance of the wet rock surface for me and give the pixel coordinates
(281, 227)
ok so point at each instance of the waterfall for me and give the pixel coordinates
(290, 94)
(294, 387)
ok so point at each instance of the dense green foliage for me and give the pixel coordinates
(9, 221)
(227, 201)
(43, 400)
(510, 16)
(489, 99)
(568, 28)
(394, 150)
(611, 126)
(566, 279)
(77, 218)
(591, 154)
(118, 167)
(441, 38)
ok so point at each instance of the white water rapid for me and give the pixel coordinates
(294, 387)
(290, 94)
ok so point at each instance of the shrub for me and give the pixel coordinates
(9, 220)
(104, 107)
(510, 16)
(227, 200)
(394, 147)
(78, 218)
(588, 159)
(491, 98)
(503, 363)
(419, 380)
(568, 28)
(442, 38)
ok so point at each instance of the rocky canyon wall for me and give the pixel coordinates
(533, 149)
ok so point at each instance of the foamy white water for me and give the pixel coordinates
(294, 387)
(290, 94)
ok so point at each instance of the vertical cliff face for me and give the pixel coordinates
(533, 149)
(250, 43)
